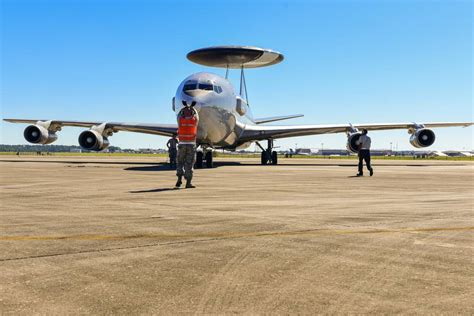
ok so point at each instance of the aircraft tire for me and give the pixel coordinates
(199, 158)
(209, 162)
(274, 158)
(264, 158)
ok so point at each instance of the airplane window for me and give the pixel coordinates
(219, 89)
(216, 89)
(205, 86)
(190, 86)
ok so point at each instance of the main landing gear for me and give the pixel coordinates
(204, 155)
(269, 156)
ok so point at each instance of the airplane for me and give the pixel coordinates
(226, 120)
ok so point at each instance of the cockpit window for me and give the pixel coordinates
(205, 86)
(190, 86)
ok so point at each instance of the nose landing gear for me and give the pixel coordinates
(268, 156)
(204, 155)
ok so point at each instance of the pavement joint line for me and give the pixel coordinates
(106, 249)
(216, 237)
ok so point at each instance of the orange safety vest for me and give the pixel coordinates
(187, 129)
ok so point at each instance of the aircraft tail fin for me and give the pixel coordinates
(276, 118)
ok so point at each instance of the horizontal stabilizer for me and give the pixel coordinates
(276, 118)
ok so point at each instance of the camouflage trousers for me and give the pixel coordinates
(172, 154)
(186, 160)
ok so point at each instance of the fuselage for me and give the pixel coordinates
(223, 114)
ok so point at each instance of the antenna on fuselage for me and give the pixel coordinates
(235, 57)
(243, 86)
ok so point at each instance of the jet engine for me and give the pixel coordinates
(422, 137)
(93, 140)
(352, 145)
(38, 134)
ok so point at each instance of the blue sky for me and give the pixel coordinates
(345, 61)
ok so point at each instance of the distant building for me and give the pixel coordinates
(437, 154)
(333, 152)
(303, 151)
(455, 153)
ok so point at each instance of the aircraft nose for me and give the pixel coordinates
(193, 103)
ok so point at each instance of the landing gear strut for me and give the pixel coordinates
(269, 156)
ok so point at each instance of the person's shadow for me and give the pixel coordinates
(153, 190)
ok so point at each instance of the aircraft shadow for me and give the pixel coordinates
(166, 167)
(156, 167)
(218, 164)
(339, 165)
(161, 166)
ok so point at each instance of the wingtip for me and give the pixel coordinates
(10, 120)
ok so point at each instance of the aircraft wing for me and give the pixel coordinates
(260, 132)
(276, 118)
(156, 129)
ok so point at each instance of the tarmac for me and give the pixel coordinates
(91, 235)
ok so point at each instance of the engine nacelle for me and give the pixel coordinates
(93, 140)
(422, 137)
(352, 145)
(38, 134)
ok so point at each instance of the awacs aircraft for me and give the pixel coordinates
(226, 120)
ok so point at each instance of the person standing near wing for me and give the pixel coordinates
(188, 120)
(172, 150)
(364, 143)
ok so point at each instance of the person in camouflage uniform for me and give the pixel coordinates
(172, 150)
(187, 132)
